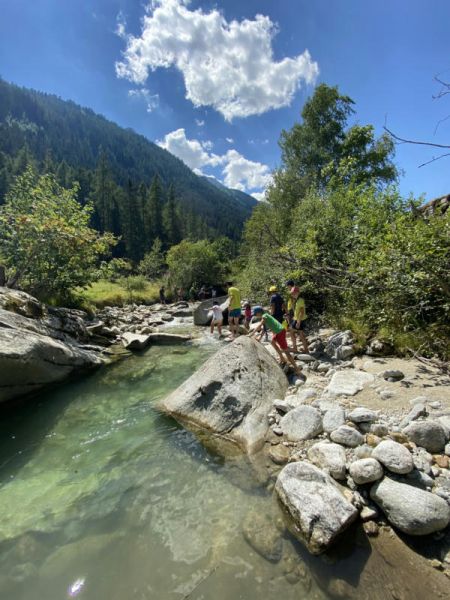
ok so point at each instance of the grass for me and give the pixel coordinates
(107, 293)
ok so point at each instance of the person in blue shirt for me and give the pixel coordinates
(277, 307)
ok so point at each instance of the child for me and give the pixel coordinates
(247, 315)
(217, 318)
(298, 325)
(279, 341)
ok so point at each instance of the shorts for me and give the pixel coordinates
(301, 326)
(235, 313)
(280, 339)
(217, 322)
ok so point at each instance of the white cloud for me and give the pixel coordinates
(230, 140)
(151, 100)
(260, 196)
(121, 26)
(228, 65)
(243, 174)
(194, 153)
(199, 122)
(238, 172)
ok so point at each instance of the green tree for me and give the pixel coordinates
(153, 264)
(170, 219)
(153, 212)
(313, 149)
(46, 243)
(194, 263)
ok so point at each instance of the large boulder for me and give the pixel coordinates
(36, 345)
(317, 511)
(411, 509)
(203, 312)
(230, 395)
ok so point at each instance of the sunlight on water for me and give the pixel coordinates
(102, 498)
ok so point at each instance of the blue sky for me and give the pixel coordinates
(215, 83)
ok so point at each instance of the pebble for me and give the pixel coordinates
(277, 430)
(435, 404)
(368, 513)
(441, 460)
(366, 470)
(371, 528)
(393, 375)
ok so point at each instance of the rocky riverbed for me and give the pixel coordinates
(355, 440)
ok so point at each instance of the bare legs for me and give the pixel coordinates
(288, 355)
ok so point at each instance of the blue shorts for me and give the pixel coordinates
(235, 313)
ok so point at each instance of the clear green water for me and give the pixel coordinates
(104, 499)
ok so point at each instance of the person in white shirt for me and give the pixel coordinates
(217, 318)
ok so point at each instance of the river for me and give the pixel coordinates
(103, 498)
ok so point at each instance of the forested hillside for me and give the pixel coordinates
(139, 190)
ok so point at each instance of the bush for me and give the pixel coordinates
(195, 264)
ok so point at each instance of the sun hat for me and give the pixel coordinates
(273, 288)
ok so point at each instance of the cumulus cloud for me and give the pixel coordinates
(151, 100)
(194, 153)
(228, 65)
(199, 122)
(243, 174)
(260, 196)
(238, 172)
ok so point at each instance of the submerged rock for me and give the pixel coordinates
(230, 395)
(317, 511)
(261, 533)
(412, 510)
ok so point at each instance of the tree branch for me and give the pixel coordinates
(433, 159)
(405, 141)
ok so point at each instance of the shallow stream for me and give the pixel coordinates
(102, 498)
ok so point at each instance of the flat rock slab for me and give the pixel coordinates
(230, 395)
(135, 341)
(317, 511)
(411, 509)
(301, 423)
(349, 382)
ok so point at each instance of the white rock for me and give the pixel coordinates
(430, 435)
(347, 436)
(366, 470)
(330, 457)
(333, 418)
(393, 456)
(318, 510)
(349, 383)
(413, 511)
(418, 410)
(362, 415)
(301, 423)
(363, 451)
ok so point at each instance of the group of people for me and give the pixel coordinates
(280, 319)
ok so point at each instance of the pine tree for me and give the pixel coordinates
(170, 219)
(153, 212)
(132, 224)
(102, 193)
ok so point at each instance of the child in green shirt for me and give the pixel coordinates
(279, 341)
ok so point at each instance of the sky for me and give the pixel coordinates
(216, 82)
